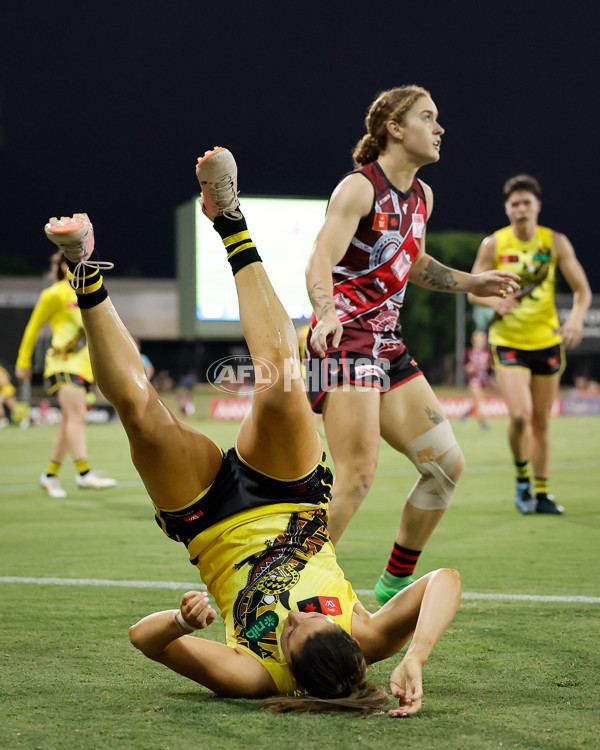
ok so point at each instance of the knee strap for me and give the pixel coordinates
(435, 454)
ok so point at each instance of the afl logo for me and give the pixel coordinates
(242, 373)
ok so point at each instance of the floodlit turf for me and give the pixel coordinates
(509, 673)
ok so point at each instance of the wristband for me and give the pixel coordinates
(178, 618)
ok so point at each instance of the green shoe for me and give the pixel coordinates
(384, 593)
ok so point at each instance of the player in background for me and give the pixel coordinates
(360, 374)
(526, 337)
(11, 410)
(68, 373)
(477, 363)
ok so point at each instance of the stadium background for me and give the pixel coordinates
(104, 108)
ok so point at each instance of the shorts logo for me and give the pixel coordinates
(362, 372)
(386, 222)
(262, 626)
(553, 361)
(326, 605)
(198, 514)
(418, 226)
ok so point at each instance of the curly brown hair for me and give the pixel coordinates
(388, 105)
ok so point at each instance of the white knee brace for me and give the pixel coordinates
(435, 454)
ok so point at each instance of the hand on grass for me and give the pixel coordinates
(407, 685)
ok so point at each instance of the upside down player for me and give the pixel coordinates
(253, 518)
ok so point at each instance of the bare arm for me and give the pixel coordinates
(424, 610)
(429, 273)
(575, 277)
(47, 305)
(225, 670)
(351, 201)
(485, 261)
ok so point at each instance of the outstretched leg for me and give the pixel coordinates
(175, 461)
(278, 436)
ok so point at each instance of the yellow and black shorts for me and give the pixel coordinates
(238, 488)
(56, 381)
(546, 362)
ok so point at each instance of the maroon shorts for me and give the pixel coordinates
(349, 368)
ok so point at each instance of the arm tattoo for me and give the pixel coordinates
(321, 299)
(439, 276)
(434, 416)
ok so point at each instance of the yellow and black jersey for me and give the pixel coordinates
(534, 323)
(68, 352)
(262, 548)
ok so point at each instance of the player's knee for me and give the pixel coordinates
(540, 423)
(440, 461)
(455, 471)
(353, 479)
(520, 418)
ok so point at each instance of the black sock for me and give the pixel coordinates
(91, 290)
(241, 251)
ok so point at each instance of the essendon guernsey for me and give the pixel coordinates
(370, 281)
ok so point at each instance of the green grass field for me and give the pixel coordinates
(511, 672)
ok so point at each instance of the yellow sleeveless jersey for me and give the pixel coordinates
(68, 352)
(534, 323)
(260, 564)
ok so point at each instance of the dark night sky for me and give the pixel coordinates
(105, 107)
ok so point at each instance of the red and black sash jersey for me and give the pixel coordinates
(369, 282)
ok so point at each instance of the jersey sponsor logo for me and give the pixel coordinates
(326, 605)
(402, 265)
(263, 625)
(386, 222)
(509, 259)
(418, 226)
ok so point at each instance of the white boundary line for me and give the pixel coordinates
(202, 587)
(399, 472)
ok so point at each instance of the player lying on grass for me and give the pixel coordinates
(253, 517)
